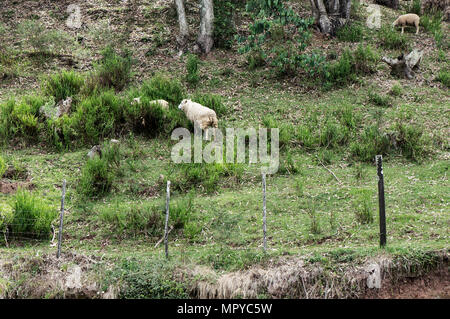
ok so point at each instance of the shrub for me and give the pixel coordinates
(96, 178)
(350, 64)
(192, 76)
(112, 71)
(224, 29)
(98, 174)
(152, 120)
(98, 115)
(391, 39)
(351, 33)
(272, 36)
(160, 87)
(341, 72)
(365, 59)
(62, 85)
(32, 216)
(20, 119)
(212, 101)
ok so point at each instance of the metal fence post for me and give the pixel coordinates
(166, 230)
(264, 211)
(61, 218)
(381, 202)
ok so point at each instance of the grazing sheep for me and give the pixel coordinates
(164, 104)
(197, 113)
(407, 19)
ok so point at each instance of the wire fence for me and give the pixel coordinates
(57, 233)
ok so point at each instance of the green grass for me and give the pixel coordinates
(216, 210)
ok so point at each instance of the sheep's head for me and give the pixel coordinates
(182, 104)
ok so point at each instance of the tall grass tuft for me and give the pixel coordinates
(62, 85)
(32, 216)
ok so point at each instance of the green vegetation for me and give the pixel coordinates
(32, 216)
(63, 85)
(192, 76)
(444, 77)
(390, 38)
(336, 106)
(351, 33)
(34, 35)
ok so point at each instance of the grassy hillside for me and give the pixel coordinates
(329, 124)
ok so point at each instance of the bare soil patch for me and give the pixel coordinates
(8, 187)
(435, 285)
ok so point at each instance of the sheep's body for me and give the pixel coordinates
(407, 19)
(164, 104)
(197, 113)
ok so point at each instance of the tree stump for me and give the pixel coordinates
(330, 15)
(404, 66)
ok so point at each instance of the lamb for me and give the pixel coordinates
(407, 19)
(197, 113)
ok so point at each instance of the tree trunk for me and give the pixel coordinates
(388, 3)
(330, 15)
(205, 38)
(184, 29)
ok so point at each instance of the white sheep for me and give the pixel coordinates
(163, 103)
(197, 113)
(407, 19)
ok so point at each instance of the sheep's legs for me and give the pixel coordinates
(417, 30)
(403, 29)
